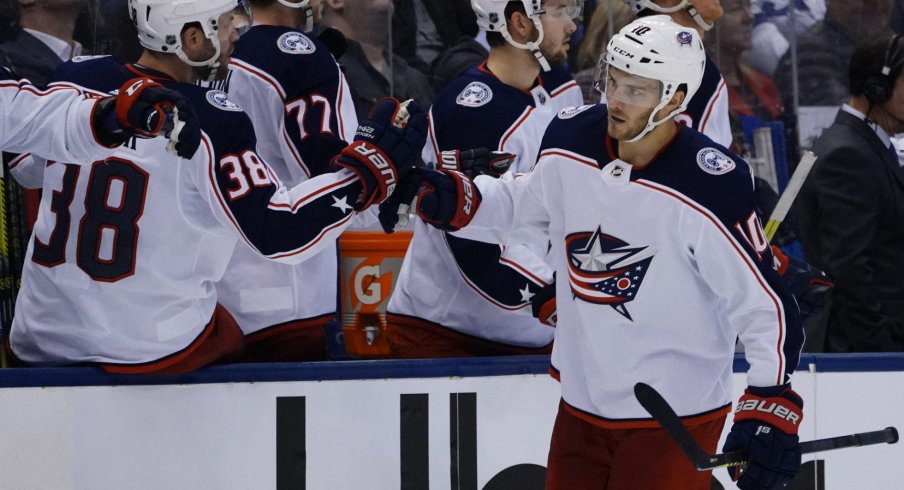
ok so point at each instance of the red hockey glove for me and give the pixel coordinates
(765, 427)
(543, 305)
(386, 146)
(447, 199)
(146, 109)
(476, 161)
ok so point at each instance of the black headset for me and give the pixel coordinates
(878, 88)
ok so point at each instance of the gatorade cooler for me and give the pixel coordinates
(369, 263)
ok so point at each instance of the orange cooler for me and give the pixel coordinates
(369, 263)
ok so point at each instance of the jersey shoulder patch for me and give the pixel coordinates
(570, 112)
(220, 100)
(475, 94)
(714, 162)
(294, 42)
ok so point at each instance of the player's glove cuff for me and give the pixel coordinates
(476, 161)
(779, 406)
(448, 200)
(373, 167)
(543, 305)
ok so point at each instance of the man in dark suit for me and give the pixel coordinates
(852, 206)
(43, 40)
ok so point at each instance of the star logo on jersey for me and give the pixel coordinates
(526, 294)
(342, 204)
(605, 270)
(295, 43)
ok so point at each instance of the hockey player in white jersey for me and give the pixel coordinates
(120, 268)
(291, 87)
(662, 264)
(64, 124)
(707, 110)
(456, 297)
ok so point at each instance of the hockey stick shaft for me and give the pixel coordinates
(787, 198)
(663, 413)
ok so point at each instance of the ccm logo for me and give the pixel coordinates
(379, 162)
(779, 411)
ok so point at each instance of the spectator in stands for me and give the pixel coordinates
(852, 205)
(424, 29)
(607, 19)
(824, 51)
(750, 92)
(776, 24)
(43, 38)
(373, 72)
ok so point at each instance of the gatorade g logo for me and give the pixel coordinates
(369, 286)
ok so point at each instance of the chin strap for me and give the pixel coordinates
(695, 14)
(532, 46)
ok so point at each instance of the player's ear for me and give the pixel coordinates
(520, 26)
(676, 101)
(192, 38)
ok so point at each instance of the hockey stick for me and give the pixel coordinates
(787, 198)
(663, 413)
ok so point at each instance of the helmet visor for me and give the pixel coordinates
(241, 17)
(562, 10)
(621, 86)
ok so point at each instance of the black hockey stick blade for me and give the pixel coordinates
(662, 412)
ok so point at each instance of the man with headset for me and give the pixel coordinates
(852, 206)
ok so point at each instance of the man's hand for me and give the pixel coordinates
(382, 152)
(765, 426)
(476, 161)
(145, 109)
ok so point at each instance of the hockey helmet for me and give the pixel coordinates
(160, 24)
(305, 5)
(656, 48)
(711, 11)
(491, 17)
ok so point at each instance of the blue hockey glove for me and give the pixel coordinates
(765, 426)
(809, 285)
(385, 147)
(476, 161)
(146, 109)
(543, 305)
(447, 199)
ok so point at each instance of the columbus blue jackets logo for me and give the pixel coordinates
(605, 270)
(475, 94)
(220, 100)
(713, 161)
(295, 43)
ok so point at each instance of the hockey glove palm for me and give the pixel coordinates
(146, 109)
(447, 199)
(765, 427)
(384, 150)
(476, 161)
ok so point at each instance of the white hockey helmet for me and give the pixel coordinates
(160, 24)
(639, 6)
(305, 5)
(657, 48)
(491, 17)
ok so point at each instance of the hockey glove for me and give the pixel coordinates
(146, 109)
(543, 305)
(809, 285)
(765, 427)
(382, 152)
(447, 199)
(477, 161)
(394, 211)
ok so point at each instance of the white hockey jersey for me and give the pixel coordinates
(659, 269)
(477, 288)
(298, 100)
(55, 122)
(121, 265)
